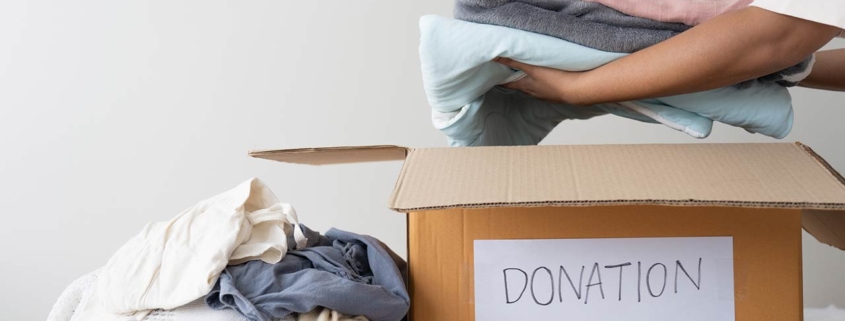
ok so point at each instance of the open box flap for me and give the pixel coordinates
(779, 175)
(334, 155)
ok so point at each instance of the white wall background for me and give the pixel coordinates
(114, 114)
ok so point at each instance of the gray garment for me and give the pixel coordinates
(352, 274)
(589, 24)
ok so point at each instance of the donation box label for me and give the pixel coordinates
(654, 279)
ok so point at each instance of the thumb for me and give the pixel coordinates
(514, 64)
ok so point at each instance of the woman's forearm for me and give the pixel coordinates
(828, 72)
(726, 50)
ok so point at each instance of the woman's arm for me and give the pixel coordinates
(726, 50)
(828, 72)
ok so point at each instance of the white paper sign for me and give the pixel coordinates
(648, 279)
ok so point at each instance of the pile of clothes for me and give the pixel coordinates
(241, 255)
(462, 83)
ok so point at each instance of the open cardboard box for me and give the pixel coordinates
(760, 194)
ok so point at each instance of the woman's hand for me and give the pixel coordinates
(544, 83)
(828, 72)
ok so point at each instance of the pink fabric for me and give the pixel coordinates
(690, 12)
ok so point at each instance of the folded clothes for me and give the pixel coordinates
(588, 24)
(458, 73)
(349, 273)
(172, 263)
(597, 26)
(682, 11)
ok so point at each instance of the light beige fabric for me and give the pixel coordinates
(169, 264)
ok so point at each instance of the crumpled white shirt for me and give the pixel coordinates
(170, 264)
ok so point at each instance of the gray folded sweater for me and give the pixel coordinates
(588, 24)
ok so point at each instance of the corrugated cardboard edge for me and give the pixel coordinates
(820, 223)
(397, 186)
(334, 155)
(691, 202)
(823, 163)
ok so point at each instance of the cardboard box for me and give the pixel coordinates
(759, 194)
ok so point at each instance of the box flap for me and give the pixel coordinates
(781, 175)
(334, 155)
(827, 227)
